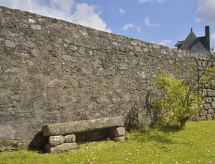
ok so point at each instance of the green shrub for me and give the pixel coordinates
(181, 98)
(178, 102)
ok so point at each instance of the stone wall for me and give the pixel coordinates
(54, 71)
(209, 106)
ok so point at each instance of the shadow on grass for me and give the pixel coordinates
(170, 129)
(162, 135)
(38, 143)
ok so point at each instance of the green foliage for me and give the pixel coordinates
(195, 144)
(181, 98)
(208, 79)
(178, 103)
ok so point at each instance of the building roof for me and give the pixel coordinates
(194, 44)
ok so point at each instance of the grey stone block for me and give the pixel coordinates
(31, 21)
(209, 117)
(70, 138)
(203, 113)
(67, 58)
(163, 52)
(145, 49)
(56, 140)
(138, 49)
(208, 99)
(210, 92)
(117, 132)
(10, 44)
(202, 118)
(65, 147)
(207, 106)
(204, 92)
(35, 27)
(210, 111)
(194, 118)
(12, 70)
(54, 83)
(213, 105)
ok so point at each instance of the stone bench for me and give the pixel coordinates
(63, 136)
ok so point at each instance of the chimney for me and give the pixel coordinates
(207, 37)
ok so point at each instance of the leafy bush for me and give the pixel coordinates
(179, 101)
(181, 98)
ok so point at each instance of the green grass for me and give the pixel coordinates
(194, 144)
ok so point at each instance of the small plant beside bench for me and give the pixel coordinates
(63, 137)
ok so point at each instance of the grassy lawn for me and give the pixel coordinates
(194, 144)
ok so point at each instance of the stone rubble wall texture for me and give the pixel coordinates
(52, 71)
(209, 106)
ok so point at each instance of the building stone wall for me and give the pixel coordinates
(53, 71)
(209, 107)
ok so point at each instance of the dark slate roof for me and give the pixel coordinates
(186, 44)
(203, 40)
(193, 43)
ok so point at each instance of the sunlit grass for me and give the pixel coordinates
(194, 144)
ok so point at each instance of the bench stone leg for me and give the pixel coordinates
(56, 140)
(65, 147)
(70, 138)
(59, 144)
(117, 132)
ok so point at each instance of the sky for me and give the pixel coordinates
(157, 21)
